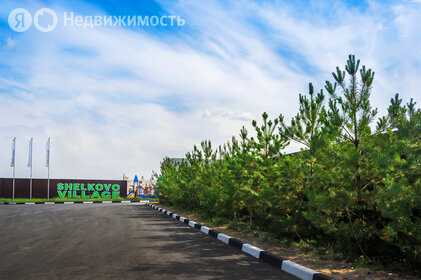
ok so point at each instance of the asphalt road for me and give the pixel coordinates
(100, 241)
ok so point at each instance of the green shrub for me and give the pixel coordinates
(352, 189)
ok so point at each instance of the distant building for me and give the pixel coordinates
(177, 160)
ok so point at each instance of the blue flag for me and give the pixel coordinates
(12, 162)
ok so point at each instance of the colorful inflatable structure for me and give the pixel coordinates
(141, 188)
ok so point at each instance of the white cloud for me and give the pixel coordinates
(110, 98)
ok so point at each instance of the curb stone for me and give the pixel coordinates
(290, 267)
(74, 202)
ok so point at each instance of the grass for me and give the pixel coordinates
(57, 199)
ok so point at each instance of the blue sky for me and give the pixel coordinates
(117, 100)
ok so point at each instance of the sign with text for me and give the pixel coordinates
(88, 190)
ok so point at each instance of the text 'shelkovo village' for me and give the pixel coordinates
(80, 190)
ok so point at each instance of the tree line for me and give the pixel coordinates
(355, 187)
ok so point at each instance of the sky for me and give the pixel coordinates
(116, 99)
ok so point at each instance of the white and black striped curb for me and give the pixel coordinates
(285, 265)
(74, 202)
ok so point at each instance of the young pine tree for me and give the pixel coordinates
(306, 126)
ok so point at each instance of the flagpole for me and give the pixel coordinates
(12, 163)
(30, 185)
(30, 168)
(48, 183)
(13, 199)
(47, 164)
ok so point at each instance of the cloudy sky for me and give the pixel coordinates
(117, 100)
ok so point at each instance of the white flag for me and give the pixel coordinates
(30, 153)
(12, 162)
(47, 155)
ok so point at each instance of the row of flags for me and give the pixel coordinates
(47, 154)
(47, 164)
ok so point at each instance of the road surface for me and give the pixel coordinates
(114, 241)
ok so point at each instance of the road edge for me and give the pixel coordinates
(285, 265)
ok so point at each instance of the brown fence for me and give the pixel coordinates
(39, 186)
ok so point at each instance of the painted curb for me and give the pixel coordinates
(73, 202)
(290, 267)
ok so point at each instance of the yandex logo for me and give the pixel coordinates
(80, 190)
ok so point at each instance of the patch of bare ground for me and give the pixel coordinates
(340, 270)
